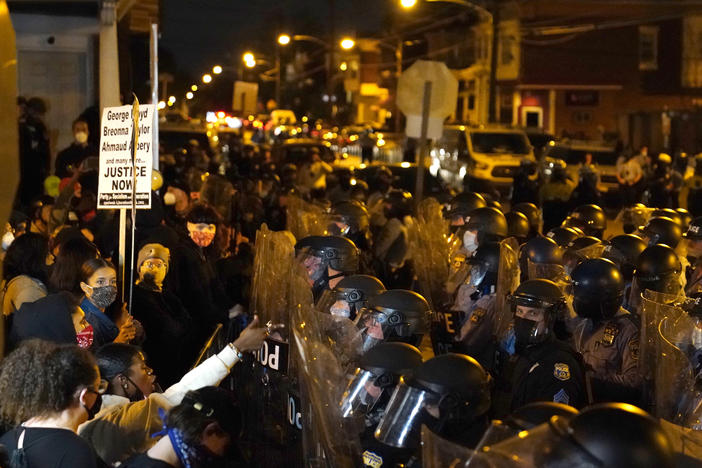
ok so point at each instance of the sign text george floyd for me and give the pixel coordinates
(116, 168)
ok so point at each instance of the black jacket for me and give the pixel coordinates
(49, 318)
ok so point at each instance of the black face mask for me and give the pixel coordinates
(95, 409)
(523, 333)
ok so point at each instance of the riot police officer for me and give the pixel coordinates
(580, 249)
(624, 251)
(668, 213)
(658, 268)
(371, 386)
(538, 251)
(563, 235)
(391, 261)
(605, 435)
(350, 295)
(661, 230)
(461, 205)
(394, 315)
(351, 220)
(533, 214)
(547, 369)
(609, 337)
(450, 394)
(590, 218)
(327, 259)
(482, 225)
(475, 305)
(518, 226)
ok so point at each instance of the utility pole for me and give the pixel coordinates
(492, 90)
(332, 49)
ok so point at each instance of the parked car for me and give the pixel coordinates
(485, 158)
(297, 151)
(573, 152)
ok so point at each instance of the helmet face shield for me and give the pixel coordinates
(374, 327)
(313, 264)
(361, 394)
(477, 273)
(401, 423)
(333, 302)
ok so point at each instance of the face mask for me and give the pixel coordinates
(169, 199)
(696, 337)
(81, 137)
(103, 296)
(95, 409)
(153, 276)
(85, 337)
(193, 456)
(524, 331)
(7, 239)
(470, 242)
(202, 239)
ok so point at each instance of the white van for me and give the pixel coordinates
(484, 157)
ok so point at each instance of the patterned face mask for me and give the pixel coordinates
(85, 337)
(202, 239)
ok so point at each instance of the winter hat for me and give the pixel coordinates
(150, 251)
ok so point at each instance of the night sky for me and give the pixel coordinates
(201, 33)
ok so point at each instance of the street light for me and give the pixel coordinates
(284, 39)
(408, 3)
(347, 43)
(248, 57)
(193, 87)
(161, 104)
(250, 63)
(206, 78)
(171, 100)
(217, 69)
(189, 95)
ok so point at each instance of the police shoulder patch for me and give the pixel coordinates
(634, 348)
(561, 371)
(372, 459)
(562, 397)
(477, 315)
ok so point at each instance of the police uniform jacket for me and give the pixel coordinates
(550, 371)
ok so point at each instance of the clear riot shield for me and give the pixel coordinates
(428, 236)
(507, 283)
(551, 271)
(654, 306)
(329, 440)
(685, 441)
(306, 219)
(572, 258)
(631, 218)
(678, 397)
(542, 446)
(439, 452)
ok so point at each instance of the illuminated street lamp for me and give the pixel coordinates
(217, 69)
(284, 39)
(189, 95)
(408, 3)
(248, 57)
(250, 63)
(171, 100)
(161, 104)
(347, 43)
(343, 66)
(206, 78)
(193, 87)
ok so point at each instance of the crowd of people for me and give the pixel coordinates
(478, 332)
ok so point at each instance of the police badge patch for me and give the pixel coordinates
(477, 315)
(371, 459)
(634, 349)
(611, 331)
(561, 371)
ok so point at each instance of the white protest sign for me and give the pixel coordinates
(116, 137)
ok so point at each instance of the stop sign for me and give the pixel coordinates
(410, 96)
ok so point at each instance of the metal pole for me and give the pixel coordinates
(277, 77)
(419, 188)
(330, 65)
(492, 90)
(154, 90)
(122, 249)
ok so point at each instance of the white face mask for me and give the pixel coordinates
(169, 199)
(470, 242)
(81, 137)
(7, 239)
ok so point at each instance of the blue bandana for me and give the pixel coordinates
(190, 456)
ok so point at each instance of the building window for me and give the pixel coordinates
(691, 75)
(648, 48)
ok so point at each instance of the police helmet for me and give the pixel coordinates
(335, 251)
(624, 250)
(532, 212)
(402, 315)
(354, 214)
(489, 223)
(590, 218)
(485, 263)
(517, 225)
(598, 288)
(459, 381)
(540, 294)
(573, 255)
(685, 216)
(668, 213)
(563, 235)
(463, 203)
(694, 230)
(390, 360)
(619, 434)
(662, 231)
(358, 289)
(541, 250)
(658, 269)
(398, 204)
